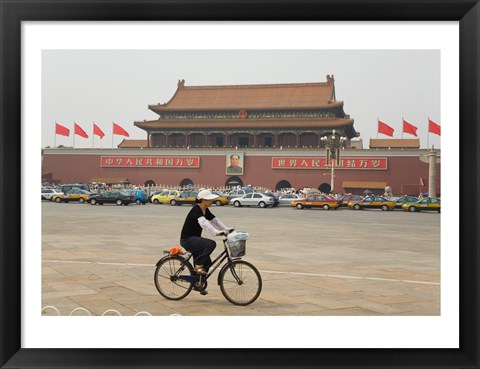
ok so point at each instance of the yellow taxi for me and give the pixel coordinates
(427, 204)
(372, 202)
(316, 201)
(221, 200)
(75, 194)
(165, 196)
(188, 197)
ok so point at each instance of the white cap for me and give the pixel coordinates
(206, 195)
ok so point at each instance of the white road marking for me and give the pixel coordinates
(96, 262)
(262, 271)
(352, 277)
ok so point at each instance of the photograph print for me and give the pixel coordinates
(364, 243)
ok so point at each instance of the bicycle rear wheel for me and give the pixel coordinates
(174, 277)
(240, 282)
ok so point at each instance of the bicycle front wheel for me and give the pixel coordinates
(240, 282)
(174, 278)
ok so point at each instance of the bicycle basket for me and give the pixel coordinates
(236, 248)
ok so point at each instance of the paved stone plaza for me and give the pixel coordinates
(312, 262)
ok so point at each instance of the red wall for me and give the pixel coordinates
(402, 173)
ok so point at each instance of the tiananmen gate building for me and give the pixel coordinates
(274, 132)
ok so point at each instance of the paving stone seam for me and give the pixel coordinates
(263, 271)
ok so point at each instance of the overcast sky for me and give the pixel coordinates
(105, 86)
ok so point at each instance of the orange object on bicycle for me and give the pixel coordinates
(176, 250)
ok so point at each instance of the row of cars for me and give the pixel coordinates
(407, 203)
(236, 198)
(80, 193)
(239, 198)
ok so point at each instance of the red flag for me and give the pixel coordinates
(79, 131)
(97, 131)
(61, 130)
(409, 128)
(385, 129)
(433, 127)
(117, 130)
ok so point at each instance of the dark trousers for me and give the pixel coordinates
(201, 248)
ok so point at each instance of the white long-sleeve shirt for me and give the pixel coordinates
(213, 226)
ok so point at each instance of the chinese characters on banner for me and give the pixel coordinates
(151, 161)
(277, 162)
(321, 163)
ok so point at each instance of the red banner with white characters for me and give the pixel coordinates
(150, 161)
(321, 163)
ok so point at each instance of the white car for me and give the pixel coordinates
(288, 198)
(237, 193)
(48, 193)
(253, 199)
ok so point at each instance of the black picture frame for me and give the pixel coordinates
(12, 13)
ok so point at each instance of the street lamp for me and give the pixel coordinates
(333, 143)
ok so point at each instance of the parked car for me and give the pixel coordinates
(332, 198)
(427, 204)
(74, 194)
(253, 199)
(111, 197)
(238, 193)
(165, 196)
(288, 198)
(222, 200)
(65, 188)
(188, 197)
(345, 199)
(373, 202)
(153, 194)
(316, 201)
(405, 199)
(139, 196)
(48, 193)
(276, 202)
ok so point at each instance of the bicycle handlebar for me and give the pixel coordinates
(226, 232)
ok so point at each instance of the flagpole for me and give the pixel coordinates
(428, 131)
(402, 128)
(93, 135)
(377, 127)
(74, 134)
(112, 134)
(55, 136)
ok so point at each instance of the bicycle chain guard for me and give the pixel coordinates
(200, 285)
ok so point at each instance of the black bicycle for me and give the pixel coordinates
(239, 281)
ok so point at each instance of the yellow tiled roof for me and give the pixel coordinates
(367, 185)
(290, 95)
(410, 143)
